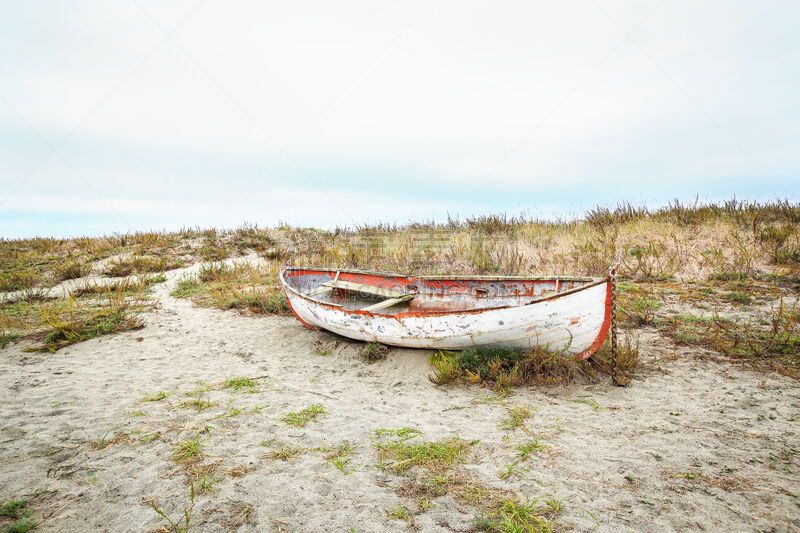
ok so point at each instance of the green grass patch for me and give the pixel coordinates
(188, 450)
(187, 288)
(530, 447)
(340, 456)
(7, 338)
(516, 418)
(198, 404)
(400, 512)
(301, 418)
(16, 510)
(240, 383)
(398, 433)
(157, 397)
(737, 297)
(590, 402)
(401, 454)
(515, 516)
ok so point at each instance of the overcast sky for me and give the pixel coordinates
(146, 114)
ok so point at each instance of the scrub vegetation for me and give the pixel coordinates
(725, 261)
(50, 324)
(15, 517)
(433, 469)
(243, 286)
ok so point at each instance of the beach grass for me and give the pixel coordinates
(305, 416)
(733, 253)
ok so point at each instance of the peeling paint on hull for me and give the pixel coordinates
(575, 321)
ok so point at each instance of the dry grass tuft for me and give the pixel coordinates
(71, 269)
(140, 264)
(770, 342)
(243, 286)
(105, 441)
(188, 451)
(285, 453)
(70, 321)
(373, 351)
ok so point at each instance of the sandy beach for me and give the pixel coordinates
(692, 444)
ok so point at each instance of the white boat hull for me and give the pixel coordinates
(575, 322)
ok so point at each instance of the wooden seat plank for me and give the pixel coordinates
(365, 289)
(388, 303)
(319, 290)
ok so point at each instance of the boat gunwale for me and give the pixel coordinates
(589, 283)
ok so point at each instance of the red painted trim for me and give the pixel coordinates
(361, 277)
(604, 328)
(369, 276)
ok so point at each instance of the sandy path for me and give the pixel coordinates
(614, 468)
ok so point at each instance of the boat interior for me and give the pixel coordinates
(392, 294)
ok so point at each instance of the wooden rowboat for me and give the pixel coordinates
(564, 314)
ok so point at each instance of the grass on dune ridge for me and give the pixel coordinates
(736, 253)
(729, 239)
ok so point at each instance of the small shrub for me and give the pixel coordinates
(71, 269)
(214, 251)
(187, 287)
(373, 351)
(505, 367)
(16, 510)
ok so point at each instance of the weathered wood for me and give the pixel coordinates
(364, 289)
(388, 303)
(575, 320)
(319, 290)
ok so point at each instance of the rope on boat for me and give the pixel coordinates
(612, 278)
